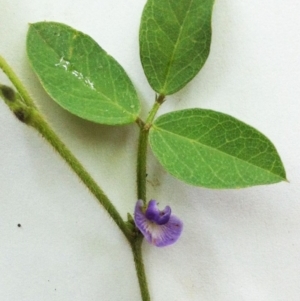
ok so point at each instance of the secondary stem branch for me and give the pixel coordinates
(142, 150)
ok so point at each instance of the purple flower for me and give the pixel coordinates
(160, 228)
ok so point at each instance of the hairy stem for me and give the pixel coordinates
(25, 110)
(141, 164)
(142, 151)
(44, 129)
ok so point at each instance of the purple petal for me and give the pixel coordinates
(158, 235)
(152, 210)
(154, 214)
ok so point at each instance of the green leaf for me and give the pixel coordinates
(175, 40)
(214, 150)
(80, 76)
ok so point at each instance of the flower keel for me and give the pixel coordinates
(160, 228)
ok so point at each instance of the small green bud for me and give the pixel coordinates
(21, 114)
(8, 93)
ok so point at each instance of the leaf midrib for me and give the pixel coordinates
(175, 47)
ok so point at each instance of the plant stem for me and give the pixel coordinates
(136, 247)
(141, 192)
(142, 150)
(44, 129)
(141, 164)
(25, 110)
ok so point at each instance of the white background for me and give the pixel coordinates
(236, 245)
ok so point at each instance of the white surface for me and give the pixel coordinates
(236, 245)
